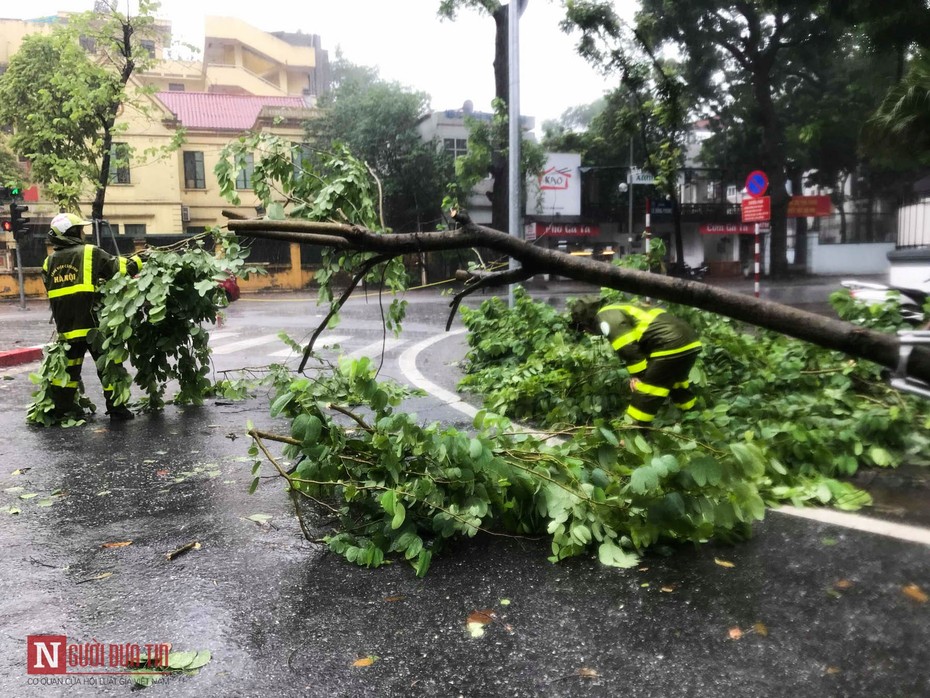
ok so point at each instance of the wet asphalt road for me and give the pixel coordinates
(806, 609)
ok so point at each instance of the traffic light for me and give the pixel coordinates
(10, 193)
(19, 224)
(7, 226)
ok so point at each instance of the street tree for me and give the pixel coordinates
(754, 45)
(63, 95)
(378, 121)
(653, 102)
(11, 172)
(899, 130)
(497, 167)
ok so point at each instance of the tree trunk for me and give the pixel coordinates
(774, 166)
(800, 230)
(500, 194)
(676, 219)
(827, 332)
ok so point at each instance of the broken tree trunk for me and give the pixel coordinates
(883, 349)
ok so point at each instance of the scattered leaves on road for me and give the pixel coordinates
(259, 518)
(735, 633)
(914, 592)
(724, 563)
(394, 599)
(179, 663)
(586, 673)
(365, 661)
(97, 578)
(195, 545)
(117, 544)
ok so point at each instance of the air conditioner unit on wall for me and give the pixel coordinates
(185, 214)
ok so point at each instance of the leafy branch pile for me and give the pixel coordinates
(399, 487)
(812, 412)
(155, 321)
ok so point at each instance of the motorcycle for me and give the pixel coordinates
(910, 301)
(684, 271)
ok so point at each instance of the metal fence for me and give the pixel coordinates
(857, 227)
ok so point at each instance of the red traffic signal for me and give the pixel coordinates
(7, 226)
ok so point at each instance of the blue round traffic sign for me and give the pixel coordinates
(756, 183)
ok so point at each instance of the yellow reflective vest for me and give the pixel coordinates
(639, 334)
(72, 275)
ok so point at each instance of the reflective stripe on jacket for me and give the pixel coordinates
(638, 334)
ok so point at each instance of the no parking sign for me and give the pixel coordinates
(756, 184)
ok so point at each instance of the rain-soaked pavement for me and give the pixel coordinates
(802, 609)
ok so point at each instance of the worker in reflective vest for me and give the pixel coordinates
(73, 273)
(658, 348)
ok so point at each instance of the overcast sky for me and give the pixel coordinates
(404, 39)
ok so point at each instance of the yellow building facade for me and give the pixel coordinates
(247, 80)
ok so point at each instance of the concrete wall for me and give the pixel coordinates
(859, 258)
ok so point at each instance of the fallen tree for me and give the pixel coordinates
(880, 348)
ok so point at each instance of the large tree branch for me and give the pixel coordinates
(883, 349)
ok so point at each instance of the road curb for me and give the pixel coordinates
(14, 357)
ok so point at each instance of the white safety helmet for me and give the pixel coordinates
(67, 225)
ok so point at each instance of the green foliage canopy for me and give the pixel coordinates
(62, 94)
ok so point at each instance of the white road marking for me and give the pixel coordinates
(856, 522)
(375, 348)
(408, 366)
(246, 344)
(321, 343)
(911, 534)
(223, 334)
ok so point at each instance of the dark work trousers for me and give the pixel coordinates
(65, 397)
(664, 378)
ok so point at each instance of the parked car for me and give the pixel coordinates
(911, 301)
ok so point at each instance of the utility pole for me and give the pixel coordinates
(513, 99)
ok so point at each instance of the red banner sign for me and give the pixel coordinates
(757, 210)
(566, 230)
(809, 206)
(726, 229)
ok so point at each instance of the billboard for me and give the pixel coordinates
(557, 189)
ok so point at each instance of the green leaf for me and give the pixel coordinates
(203, 656)
(399, 515)
(880, 456)
(180, 660)
(612, 555)
(705, 470)
(388, 501)
(644, 479)
(260, 518)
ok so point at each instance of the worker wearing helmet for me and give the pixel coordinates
(73, 274)
(658, 348)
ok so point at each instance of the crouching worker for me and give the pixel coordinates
(658, 348)
(73, 273)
